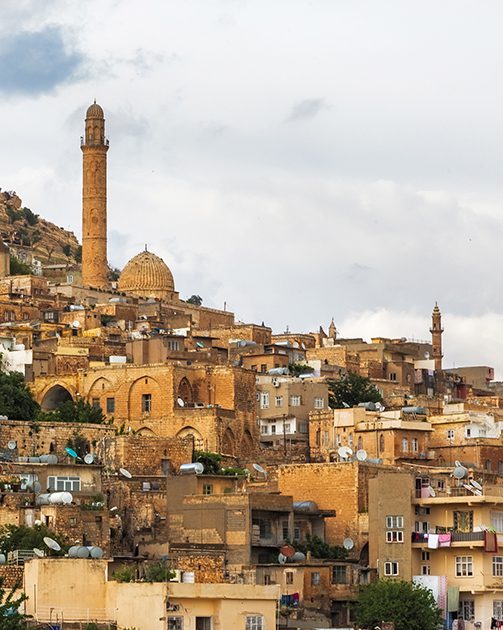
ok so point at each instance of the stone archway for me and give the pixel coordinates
(247, 446)
(53, 398)
(185, 391)
(193, 433)
(146, 431)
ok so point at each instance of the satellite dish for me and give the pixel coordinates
(344, 452)
(89, 458)
(345, 405)
(361, 454)
(457, 463)
(180, 402)
(475, 484)
(281, 558)
(125, 473)
(459, 472)
(71, 452)
(12, 445)
(114, 508)
(348, 543)
(287, 551)
(432, 492)
(260, 469)
(477, 492)
(76, 324)
(38, 552)
(52, 544)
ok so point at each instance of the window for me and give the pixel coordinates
(497, 521)
(415, 445)
(279, 401)
(405, 445)
(425, 555)
(303, 427)
(360, 443)
(394, 536)
(288, 427)
(394, 522)
(207, 488)
(288, 577)
(273, 429)
(468, 432)
(175, 623)
(95, 403)
(425, 569)
(464, 566)
(500, 468)
(253, 368)
(498, 566)
(63, 484)
(498, 609)
(295, 401)
(467, 609)
(391, 568)
(319, 403)
(315, 578)
(339, 574)
(463, 521)
(350, 439)
(146, 403)
(381, 443)
(488, 465)
(338, 439)
(254, 622)
(263, 368)
(73, 520)
(264, 400)
(110, 405)
(450, 434)
(203, 623)
(325, 438)
(267, 579)
(264, 525)
(392, 376)
(264, 429)
(296, 530)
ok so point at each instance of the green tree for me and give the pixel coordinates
(30, 217)
(74, 411)
(11, 599)
(16, 400)
(67, 250)
(18, 267)
(296, 369)
(408, 605)
(14, 537)
(78, 254)
(197, 300)
(210, 461)
(352, 389)
(13, 214)
(321, 549)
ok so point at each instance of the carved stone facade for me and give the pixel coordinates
(94, 200)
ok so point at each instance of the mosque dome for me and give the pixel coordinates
(95, 111)
(147, 275)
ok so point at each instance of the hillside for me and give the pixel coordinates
(30, 236)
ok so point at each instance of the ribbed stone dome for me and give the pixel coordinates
(95, 111)
(147, 275)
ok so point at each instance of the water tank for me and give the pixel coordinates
(42, 499)
(95, 552)
(3, 559)
(34, 460)
(82, 552)
(188, 577)
(72, 552)
(298, 556)
(192, 469)
(422, 411)
(48, 459)
(64, 498)
(305, 506)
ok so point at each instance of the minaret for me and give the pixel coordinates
(332, 330)
(94, 147)
(436, 337)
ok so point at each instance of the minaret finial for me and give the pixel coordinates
(146, 247)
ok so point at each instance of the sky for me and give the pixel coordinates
(296, 159)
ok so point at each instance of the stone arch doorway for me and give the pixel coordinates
(185, 391)
(53, 398)
(194, 433)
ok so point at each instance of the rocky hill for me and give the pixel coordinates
(30, 237)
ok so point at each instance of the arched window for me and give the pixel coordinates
(360, 443)
(381, 443)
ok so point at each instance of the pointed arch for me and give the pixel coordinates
(54, 396)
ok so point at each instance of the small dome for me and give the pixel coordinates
(148, 276)
(95, 111)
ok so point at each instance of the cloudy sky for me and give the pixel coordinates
(297, 159)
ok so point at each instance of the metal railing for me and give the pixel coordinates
(55, 614)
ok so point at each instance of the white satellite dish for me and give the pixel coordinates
(52, 544)
(345, 405)
(475, 484)
(432, 492)
(477, 492)
(260, 469)
(459, 472)
(89, 458)
(125, 473)
(281, 558)
(114, 508)
(361, 454)
(38, 552)
(458, 463)
(12, 445)
(344, 452)
(76, 324)
(180, 402)
(348, 543)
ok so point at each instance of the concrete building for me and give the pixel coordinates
(77, 590)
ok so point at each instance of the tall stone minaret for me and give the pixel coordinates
(436, 337)
(94, 147)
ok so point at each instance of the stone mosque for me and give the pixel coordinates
(145, 275)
